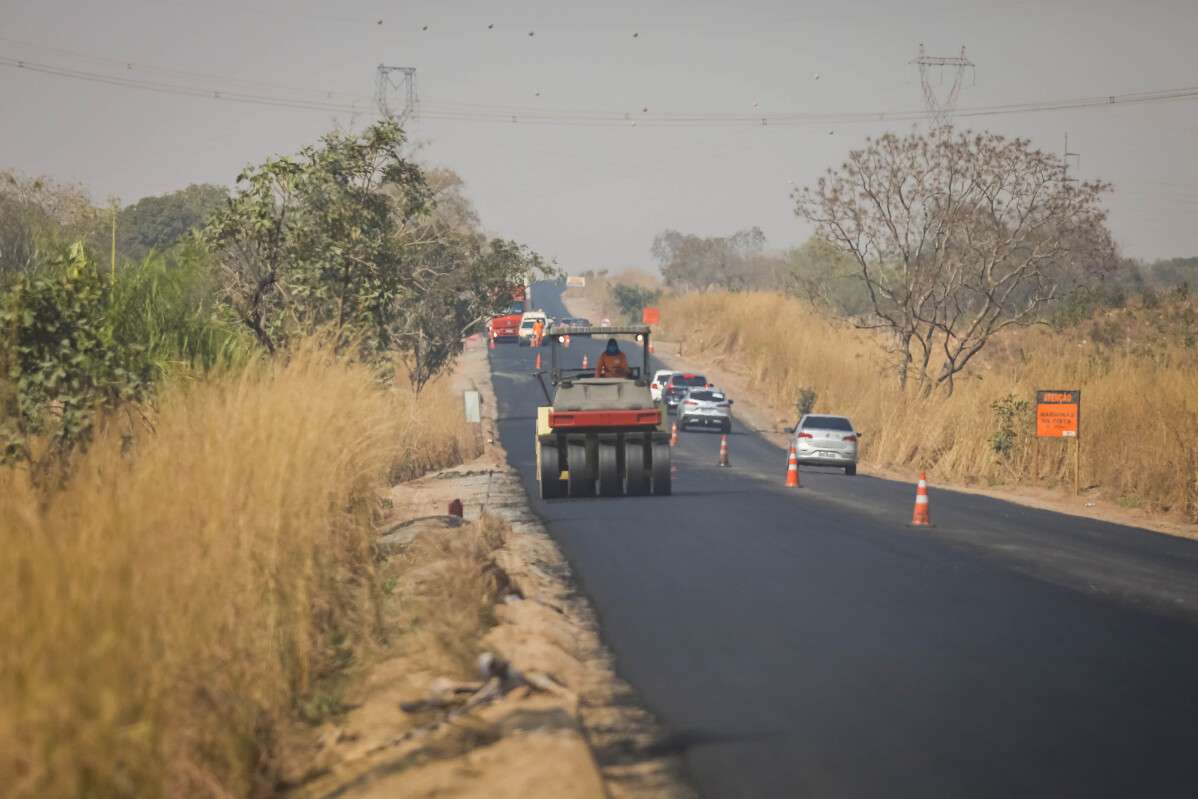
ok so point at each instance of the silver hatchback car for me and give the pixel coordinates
(822, 440)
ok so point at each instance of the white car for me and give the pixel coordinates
(526, 326)
(822, 440)
(660, 378)
(705, 407)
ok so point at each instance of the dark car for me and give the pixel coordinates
(680, 383)
(577, 321)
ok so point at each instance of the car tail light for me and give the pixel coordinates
(805, 435)
(853, 439)
(654, 385)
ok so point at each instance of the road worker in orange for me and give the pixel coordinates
(612, 363)
(538, 331)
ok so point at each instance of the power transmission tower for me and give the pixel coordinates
(385, 84)
(940, 111)
(1065, 162)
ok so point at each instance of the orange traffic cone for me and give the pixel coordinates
(650, 347)
(585, 364)
(674, 435)
(922, 516)
(537, 365)
(492, 342)
(724, 451)
(792, 469)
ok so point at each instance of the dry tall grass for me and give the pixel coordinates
(1139, 393)
(170, 606)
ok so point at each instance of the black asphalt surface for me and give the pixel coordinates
(808, 642)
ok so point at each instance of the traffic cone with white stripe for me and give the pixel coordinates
(922, 516)
(585, 363)
(724, 451)
(492, 342)
(674, 435)
(792, 469)
(537, 365)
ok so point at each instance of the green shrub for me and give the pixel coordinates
(61, 359)
(1011, 414)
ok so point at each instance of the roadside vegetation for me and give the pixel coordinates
(195, 443)
(168, 611)
(1138, 376)
(951, 276)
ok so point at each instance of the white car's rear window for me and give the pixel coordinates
(827, 423)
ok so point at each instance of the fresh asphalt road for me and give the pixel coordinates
(808, 642)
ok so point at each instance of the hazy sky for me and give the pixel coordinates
(593, 197)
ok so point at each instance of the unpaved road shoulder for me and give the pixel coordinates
(568, 728)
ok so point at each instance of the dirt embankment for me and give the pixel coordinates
(539, 714)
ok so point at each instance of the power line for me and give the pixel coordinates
(177, 89)
(129, 65)
(447, 110)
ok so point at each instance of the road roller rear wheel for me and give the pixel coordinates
(610, 484)
(551, 471)
(661, 468)
(582, 482)
(638, 471)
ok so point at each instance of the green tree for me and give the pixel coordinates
(827, 276)
(459, 283)
(61, 359)
(631, 300)
(351, 237)
(156, 223)
(318, 240)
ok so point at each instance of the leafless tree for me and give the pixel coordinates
(957, 237)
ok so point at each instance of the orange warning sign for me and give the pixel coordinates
(650, 316)
(1058, 413)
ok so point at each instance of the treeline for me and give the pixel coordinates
(347, 239)
(817, 271)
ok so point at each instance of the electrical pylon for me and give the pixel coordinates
(940, 110)
(385, 83)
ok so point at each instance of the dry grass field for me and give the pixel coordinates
(175, 603)
(1137, 368)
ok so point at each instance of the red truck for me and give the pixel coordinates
(506, 326)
